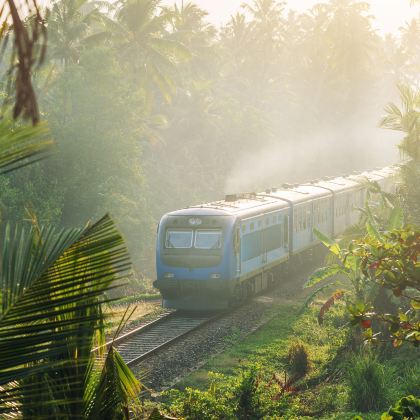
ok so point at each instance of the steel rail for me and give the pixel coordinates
(144, 341)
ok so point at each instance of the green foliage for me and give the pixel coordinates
(391, 261)
(21, 145)
(367, 382)
(411, 380)
(215, 403)
(52, 287)
(407, 120)
(406, 408)
(114, 393)
(247, 403)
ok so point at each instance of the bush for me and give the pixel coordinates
(298, 361)
(407, 408)
(217, 402)
(367, 383)
(248, 406)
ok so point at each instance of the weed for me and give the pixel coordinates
(411, 380)
(246, 391)
(298, 361)
(367, 382)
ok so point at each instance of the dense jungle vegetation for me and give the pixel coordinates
(144, 108)
(152, 108)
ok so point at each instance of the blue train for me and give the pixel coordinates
(214, 255)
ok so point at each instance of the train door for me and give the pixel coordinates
(237, 249)
(263, 245)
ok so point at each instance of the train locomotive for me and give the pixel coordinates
(214, 255)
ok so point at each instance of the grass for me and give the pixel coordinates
(142, 309)
(325, 392)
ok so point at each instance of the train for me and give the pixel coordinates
(215, 255)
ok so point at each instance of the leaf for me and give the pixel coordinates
(329, 243)
(22, 145)
(372, 230)
(323, 273)
(51, 290)
(113, 391)
(327, 305)
(415, 304)
(396, 220)
(313, 295)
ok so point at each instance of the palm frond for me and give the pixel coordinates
(52, 283)
(113, 392)
(22, 145)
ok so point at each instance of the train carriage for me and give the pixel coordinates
(211, 256)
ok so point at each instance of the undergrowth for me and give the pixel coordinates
(293, 368)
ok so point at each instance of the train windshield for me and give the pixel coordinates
(179, 238)
(208, 239)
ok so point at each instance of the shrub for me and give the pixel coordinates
(298, 361)
(406, 408)
(367, 383)
(248, 406)
(217, 402)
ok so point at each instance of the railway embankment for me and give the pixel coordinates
(166, 368)
(291, 367)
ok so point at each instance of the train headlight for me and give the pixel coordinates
(169, 275)
(215, 276)
(195, 221)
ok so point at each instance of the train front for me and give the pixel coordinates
(195, 259)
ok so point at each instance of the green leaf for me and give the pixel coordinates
(323, 273)
(113, 391)
(53, 282)
(313, 295)
(22, 145)
(396, 220)
(372, 230)
(415, 304)
(328, 242)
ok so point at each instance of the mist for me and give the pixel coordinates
(154, 107)
(335, 151)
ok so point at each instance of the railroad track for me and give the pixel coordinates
(141, 342)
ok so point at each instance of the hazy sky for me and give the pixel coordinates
(390, 14)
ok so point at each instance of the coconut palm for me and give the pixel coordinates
(407, 120)
(52, 287)
(71, 25)
(140, 34)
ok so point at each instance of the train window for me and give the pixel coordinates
(267, 221)
(243, 228)
(208, 239)
(251, 246)
(272, 238)
(179, 238)
(259, 223)
(252, 226)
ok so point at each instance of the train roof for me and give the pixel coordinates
(249, 204)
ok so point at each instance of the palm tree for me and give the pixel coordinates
(141, 36)
(53, 284)
(70, 26)
(27, 52)
(407, 120)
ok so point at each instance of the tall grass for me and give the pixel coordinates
(367, 382)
